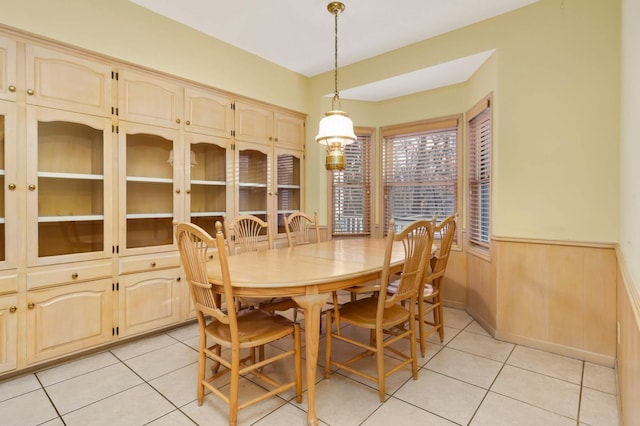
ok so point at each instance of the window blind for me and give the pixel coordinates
(351, 188)
(420, 171)
(479, 174)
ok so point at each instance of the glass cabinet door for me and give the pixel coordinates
(68, 173)
(288, 171)
(206, 170)
(253, 168)
(147, 161)
(8, 202)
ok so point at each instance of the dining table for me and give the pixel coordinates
(308, 273)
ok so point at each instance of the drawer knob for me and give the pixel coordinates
(178, 120)
(32, 187)
(13, 309)
(12, 187)
(74, 276)
(12, 88)
(31, 305)
(187, 122)
(153, 264)
(30, 92)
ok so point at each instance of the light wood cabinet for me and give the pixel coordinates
(9, 335)
(59, 80)
(288, 184)
(257, 123)
(8, 183)
(8, 81)
(149, 196)
(146, 99)
(208, 113)
(148, 300)
(69, 186)
(68, 318)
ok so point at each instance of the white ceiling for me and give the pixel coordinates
(299, 34)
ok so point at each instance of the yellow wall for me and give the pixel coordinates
(126, 31)
(556, 119)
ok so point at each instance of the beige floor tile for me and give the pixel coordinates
(395, 411)
(162, 361)
(542, 391)
(475, 327)
(83, 390)
(342, 401)
(55, 422)
(180, 386)
(558, 366)
(142, 346)
(174, 418)
(76, 368)
(32, 408)
(135, 406)
(18, 386)
(185, 332)
(214, 411)
(287, 415)
(443, 396)
(481, 345)
(449, 334)
(498, 410)
(598, 408)
(470, 368)
(456, 318)
(599, 378)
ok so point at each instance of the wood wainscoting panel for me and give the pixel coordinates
(628, 360)
(481, 291)
(454, 289)
(557, 297)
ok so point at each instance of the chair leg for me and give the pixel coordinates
(327, 354)
(202, 361)
(421, 330)
(440, 320)
(234, 386)
(298, 361)
(380, 363)
(412, 340)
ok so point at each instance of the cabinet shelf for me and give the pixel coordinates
(71, 218)
(207, 214)
(252, 185)
(148, 179)
(149, 215)
(208, 182)
(289, 186)
(254, 212)
(57, 175)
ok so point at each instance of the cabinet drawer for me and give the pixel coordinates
(141, 264)
(67, 275)
(8, 284)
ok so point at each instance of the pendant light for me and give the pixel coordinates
(336, 128)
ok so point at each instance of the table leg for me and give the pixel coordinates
(312, 305)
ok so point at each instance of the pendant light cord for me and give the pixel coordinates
(336, 96)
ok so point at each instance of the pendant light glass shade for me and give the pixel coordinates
(335, 129)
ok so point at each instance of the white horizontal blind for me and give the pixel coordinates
(420, 173)
(479, 174)
(351, 189)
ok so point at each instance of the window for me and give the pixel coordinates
(420, 171)
(351, 188)
(479, 174)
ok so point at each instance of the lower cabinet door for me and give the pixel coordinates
(8, 332)
(69, 318)
(148, 300)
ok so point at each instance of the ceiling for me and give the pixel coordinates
(299, 34)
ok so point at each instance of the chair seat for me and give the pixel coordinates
(428, 289)
(363, 313)
(254, 328)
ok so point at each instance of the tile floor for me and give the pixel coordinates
(471, 379)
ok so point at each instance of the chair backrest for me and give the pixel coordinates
(417, 240)
(193, 244)
(297, 225)
(447, 230)
(246, 233)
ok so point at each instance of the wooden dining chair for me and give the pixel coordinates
(246, 233)
(431, 300)
(386, 314)
(228, 329)
(298, 226)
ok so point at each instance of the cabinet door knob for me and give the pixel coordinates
(177, 191)
(31, 305)
(178, 279)
(188, 191)
(187, 122)
(13, 309)
(178, 120)
(12, 187)
(32, 187)
(12, 88)
(153, 264)
(74, 276)
(30, 92)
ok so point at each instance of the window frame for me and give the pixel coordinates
(426, 126)
(482, 111)
(370, 133)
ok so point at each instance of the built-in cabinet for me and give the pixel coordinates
(98, 161)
